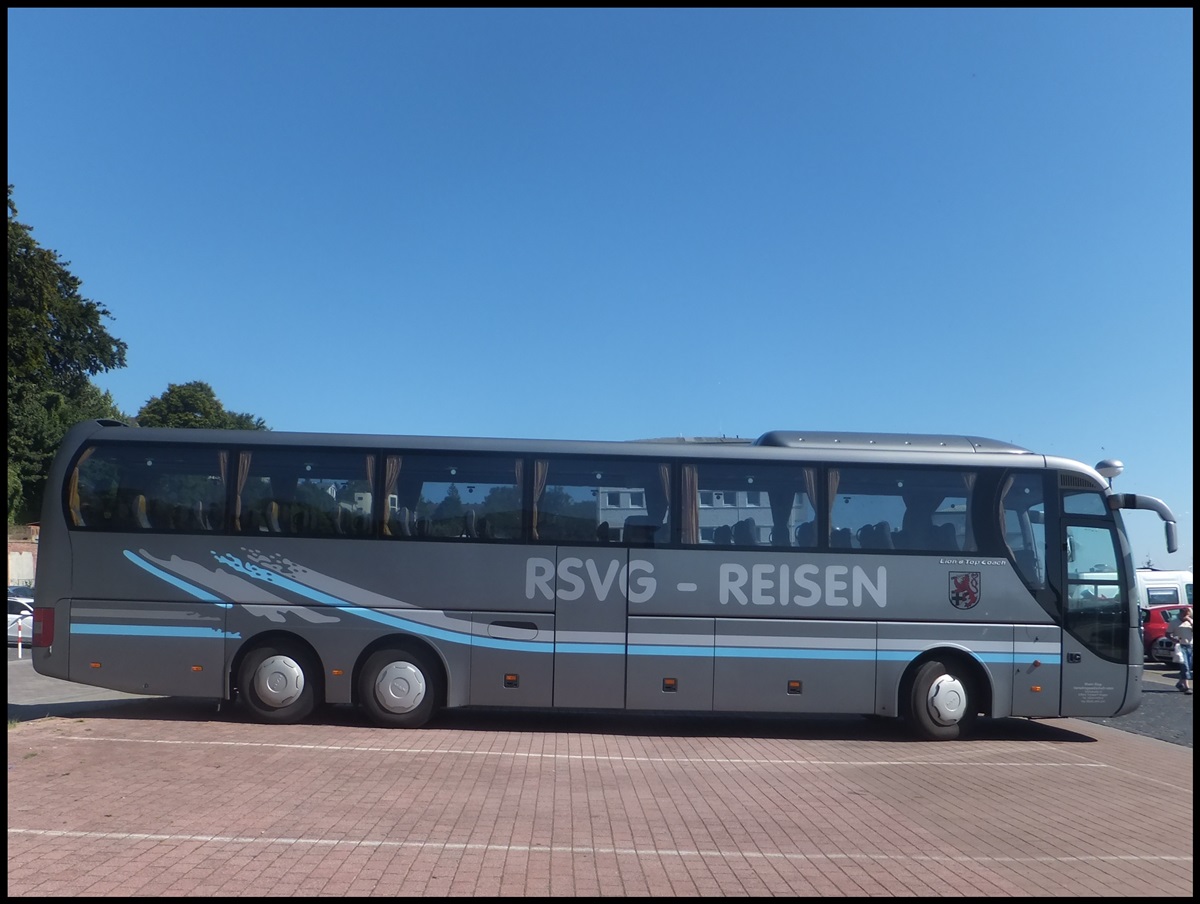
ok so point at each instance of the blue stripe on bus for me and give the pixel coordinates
(601, 649)
(183, 585)
(153, 631)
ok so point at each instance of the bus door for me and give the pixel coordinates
(589, 627)
(1098, 625)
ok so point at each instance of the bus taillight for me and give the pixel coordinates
(43, 627)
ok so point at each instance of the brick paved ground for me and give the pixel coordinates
(170, 798)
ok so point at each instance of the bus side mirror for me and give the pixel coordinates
(1137, 501)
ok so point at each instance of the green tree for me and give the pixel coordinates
(44, 417)
(56, 343)
(194, 405)
(56, 339)
(448, 515)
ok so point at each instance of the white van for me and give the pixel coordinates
(1162, 588)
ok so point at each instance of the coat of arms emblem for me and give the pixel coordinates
(964, 589)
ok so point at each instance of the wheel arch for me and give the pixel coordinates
(276, 638)
(960, 658)
(399, 642)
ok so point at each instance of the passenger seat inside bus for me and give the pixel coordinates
(271, 510)
(640, 530)
(1027, 565)
(484, 529)
(806, 534)
(745, 533)
(945, 537)
(876, 536)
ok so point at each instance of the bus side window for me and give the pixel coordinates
(573, 497)
(461, 496)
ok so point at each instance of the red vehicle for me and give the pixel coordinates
(1156, 622)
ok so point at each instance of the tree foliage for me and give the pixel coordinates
(56, 342)
(43, 417)
(56, 338)
(194, 405)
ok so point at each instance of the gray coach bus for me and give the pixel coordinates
(928, 578)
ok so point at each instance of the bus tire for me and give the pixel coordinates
(941, 705)
(400, 688)
(277, 684)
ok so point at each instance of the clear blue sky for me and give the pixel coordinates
(619, 224)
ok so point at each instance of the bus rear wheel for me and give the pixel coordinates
(941, 705)
(276, 683)
(400, 688)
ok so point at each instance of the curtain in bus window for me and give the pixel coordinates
(76, 510)
(243, 474)
(391, 476)
(781, 496)
(661, 514)
(659, 504)
(541, 469)
(519, 477)
(690, 508)
(807, 531)
(364, 523)
(215, 508)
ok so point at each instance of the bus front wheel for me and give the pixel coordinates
(277, 684)
(400, 688)
(941, 706)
